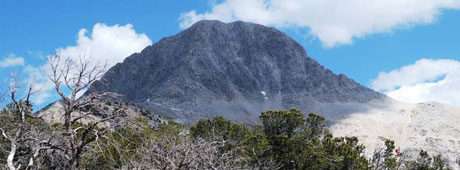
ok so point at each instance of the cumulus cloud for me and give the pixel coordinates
(105, 45)
(11, 61)
(332, 21)
(425, 81)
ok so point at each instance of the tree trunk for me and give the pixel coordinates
(10, 159)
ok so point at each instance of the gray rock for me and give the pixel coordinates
(235, 70)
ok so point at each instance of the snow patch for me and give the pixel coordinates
(264, 94)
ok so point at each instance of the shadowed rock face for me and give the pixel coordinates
(235, 70)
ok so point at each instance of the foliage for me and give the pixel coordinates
(122, 145)
(283, 140)
(219, 128)
(286, 140)
(299, 143)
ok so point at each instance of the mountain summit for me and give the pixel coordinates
(235, 70)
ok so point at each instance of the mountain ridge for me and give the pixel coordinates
(235, 70)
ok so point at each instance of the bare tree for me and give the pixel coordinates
(20, 109)
(75, 77)
(63, 147)
(20, 133)
(182, 153)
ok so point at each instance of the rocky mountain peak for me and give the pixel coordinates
(233, 69)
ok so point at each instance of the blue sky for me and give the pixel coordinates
(371, 52)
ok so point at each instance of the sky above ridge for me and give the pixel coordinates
(408, 49)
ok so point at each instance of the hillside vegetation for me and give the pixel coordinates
(283, 140)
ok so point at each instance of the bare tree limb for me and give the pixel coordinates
(75, 76)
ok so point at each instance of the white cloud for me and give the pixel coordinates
(42, 87)
(11, 61)
(105, 45)
(332, 21)
(425, 81)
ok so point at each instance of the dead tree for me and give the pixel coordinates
(19, 110)
(71, 79)
(181, 153)
(20, 133)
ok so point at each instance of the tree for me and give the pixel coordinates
(183, 153)
(25, 136)
(299, 143)
(425, 162)
(439, 163)
(279, 128)
(257, 149)
(219, 128)
(75, 77)
(315, 126)
(19, 110)
(384, 158)
(118, 148)
(390, 159)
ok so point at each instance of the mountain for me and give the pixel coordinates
(239, 69)
(235, 70)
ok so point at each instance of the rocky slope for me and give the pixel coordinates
(235, 70)
(433, 127)
(100, 106)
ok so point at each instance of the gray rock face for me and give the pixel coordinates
(235, 70)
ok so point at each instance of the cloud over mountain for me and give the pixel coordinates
(424, 81)
(103, 45)
(331, 21)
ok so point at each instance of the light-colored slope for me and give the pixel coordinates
(430, 126)
(101, 106)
